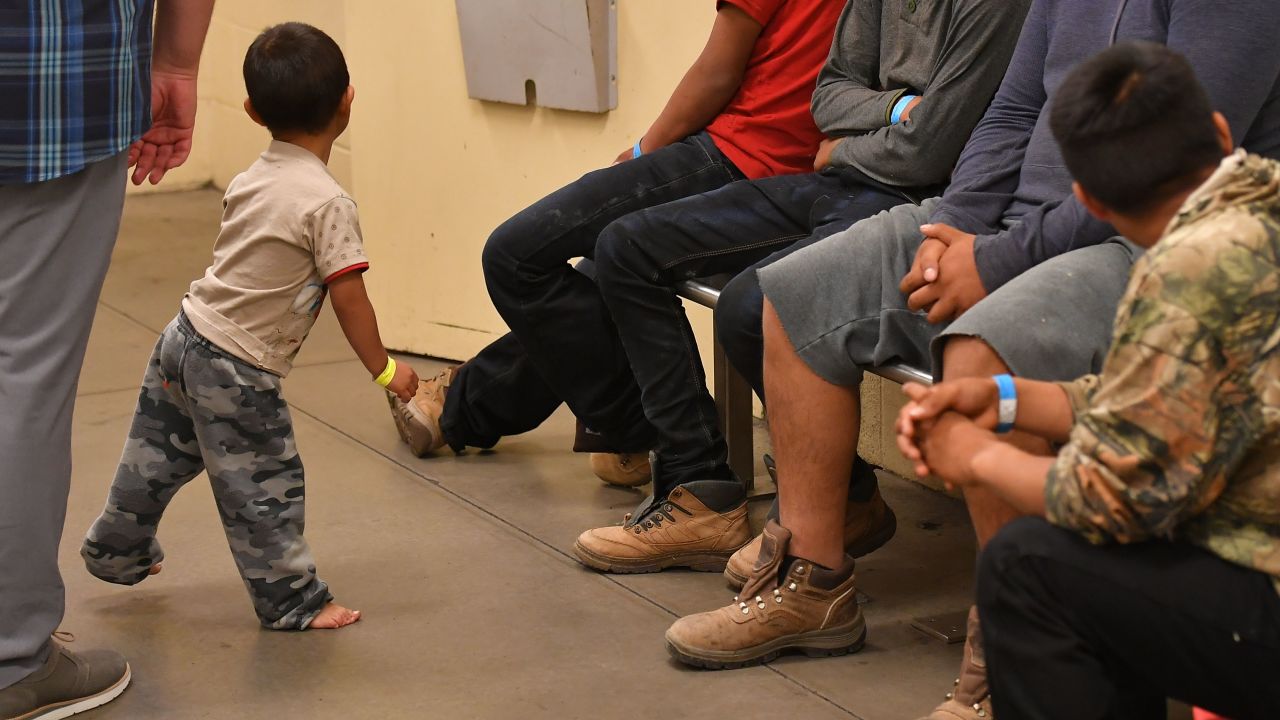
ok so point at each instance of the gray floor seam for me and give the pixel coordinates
(129, 317)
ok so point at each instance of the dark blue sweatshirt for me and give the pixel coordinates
(1011, 187)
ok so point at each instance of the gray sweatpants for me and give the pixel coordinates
(55, 244)
(200, 409)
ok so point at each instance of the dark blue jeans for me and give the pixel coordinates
(562, 346)
(642, 256)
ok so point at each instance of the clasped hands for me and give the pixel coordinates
(944, 427)
(943, 280)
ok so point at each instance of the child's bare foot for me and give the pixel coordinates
(334, 616)
(155, 569)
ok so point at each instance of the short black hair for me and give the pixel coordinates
(296, 77)
(1135, 126)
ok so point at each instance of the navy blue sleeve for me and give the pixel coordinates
(1234, 53)
(986, 175)
(1234, 50)
(1045, 232)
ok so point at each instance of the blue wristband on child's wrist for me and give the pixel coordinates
(900, 107)
(636, 151)
(1007, 410)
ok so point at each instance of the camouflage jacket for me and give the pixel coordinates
(1179, 437)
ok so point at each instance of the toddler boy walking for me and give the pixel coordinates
(211, 397)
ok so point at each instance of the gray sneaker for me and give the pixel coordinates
(68, 683)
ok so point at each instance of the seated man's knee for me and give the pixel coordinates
(737, 319)
(501, 255)
(616, 255)
(969, 356)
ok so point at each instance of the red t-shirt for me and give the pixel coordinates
(767, 129)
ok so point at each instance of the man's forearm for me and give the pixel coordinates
(180, 29)
(1016, 476)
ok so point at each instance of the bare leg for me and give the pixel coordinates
(971, 357)
(814, 426)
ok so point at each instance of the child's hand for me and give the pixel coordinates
(404, 384)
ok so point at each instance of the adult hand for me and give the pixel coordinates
(823, 160)
(173, 120)
(957, 285)
(950, 444)
(924, 268)
(975, 398)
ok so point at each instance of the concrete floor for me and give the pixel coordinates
(473, 605)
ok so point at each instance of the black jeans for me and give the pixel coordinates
(641, 257)
(1080, 631)
(562, 346)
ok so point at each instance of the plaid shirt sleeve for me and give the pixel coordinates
(75, 83)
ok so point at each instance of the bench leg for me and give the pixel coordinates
(733, 404)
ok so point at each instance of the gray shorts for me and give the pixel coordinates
(840, 306)
(1054, 321)
(839, 302)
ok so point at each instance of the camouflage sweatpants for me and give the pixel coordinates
(201, 410)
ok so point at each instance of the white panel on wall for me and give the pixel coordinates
(554, 53)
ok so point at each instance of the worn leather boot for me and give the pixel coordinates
(621, 469)
(867, 527)
(418, 421)
(802, 607)
(970, 699)
(680, 531)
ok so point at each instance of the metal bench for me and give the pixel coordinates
(733, 394)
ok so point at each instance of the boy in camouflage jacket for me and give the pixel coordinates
(1172, 452)
(211, 397)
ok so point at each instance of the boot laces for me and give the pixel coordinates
(660, 514)
(440, 383)
(768, 583)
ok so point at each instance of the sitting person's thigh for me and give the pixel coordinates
(839, 301)
(1054, 321)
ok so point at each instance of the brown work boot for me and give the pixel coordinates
(678, 532)
(803, 607)
(867, 527)
(67, 684)
(970, 699)
(418, 421)
(621, 469)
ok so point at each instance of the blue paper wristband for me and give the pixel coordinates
(900, 107)
(1008, 407)
(636, 151)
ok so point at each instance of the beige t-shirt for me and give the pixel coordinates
(288, 229)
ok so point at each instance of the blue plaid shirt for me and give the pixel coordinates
(75, 84)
